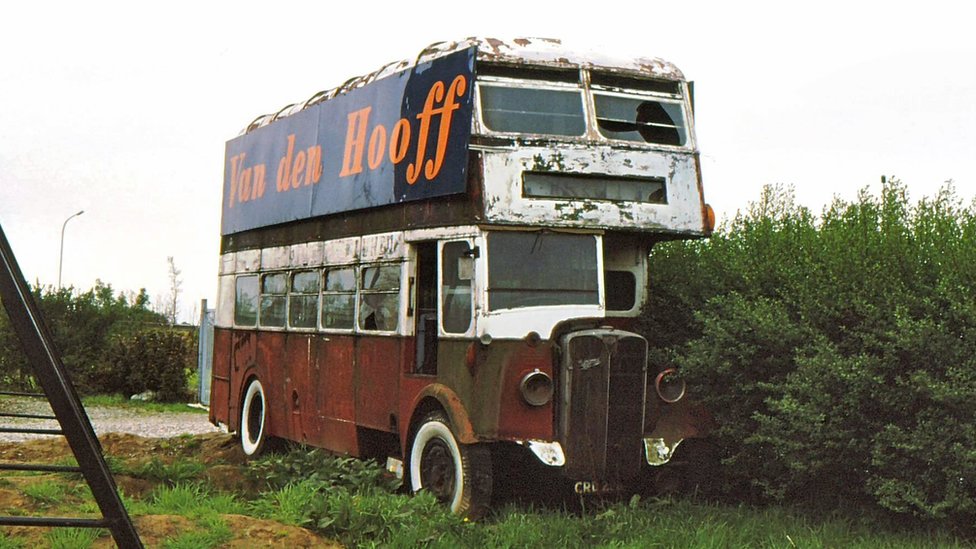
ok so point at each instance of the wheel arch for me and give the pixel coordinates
(437, 396)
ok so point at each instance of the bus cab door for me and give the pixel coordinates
(444, 290)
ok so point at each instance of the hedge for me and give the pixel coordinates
(838, 352)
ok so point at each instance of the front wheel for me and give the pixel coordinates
(457, 475)
(254, 436)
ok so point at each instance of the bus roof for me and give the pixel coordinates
(549, 52)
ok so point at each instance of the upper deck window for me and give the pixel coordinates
(532, 110)
(640, 119)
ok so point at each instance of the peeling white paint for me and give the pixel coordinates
(341, 251)
(307, 254)
(278, 257)
(382, 247)
(505, 204)
(248, 261)
(224, 317)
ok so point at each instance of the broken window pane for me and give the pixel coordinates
(639, 119)
(379, 298)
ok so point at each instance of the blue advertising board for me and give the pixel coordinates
(401, 138)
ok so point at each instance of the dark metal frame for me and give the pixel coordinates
(35, 338)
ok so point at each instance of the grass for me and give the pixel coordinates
(74, 538)
(190, 500)
(289, 505)
(214, 532)
(51, 492)
(179, 471)
(349, 501)
(11, 543)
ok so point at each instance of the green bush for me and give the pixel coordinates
(838, 352)
(314, 465)
(155, 360)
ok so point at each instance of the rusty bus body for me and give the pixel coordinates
(490, 298)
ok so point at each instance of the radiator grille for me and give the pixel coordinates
(602, 416)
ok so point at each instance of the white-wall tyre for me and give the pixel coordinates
(254, 415)
(457, 475)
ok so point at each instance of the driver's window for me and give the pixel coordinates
(456, 282)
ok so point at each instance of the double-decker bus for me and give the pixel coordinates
(447, 256)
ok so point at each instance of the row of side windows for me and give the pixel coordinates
(340, 298)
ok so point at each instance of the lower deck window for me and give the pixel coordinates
(273, 300)
(246, 301)
(339, 299)
(303, 301)
(379, 298)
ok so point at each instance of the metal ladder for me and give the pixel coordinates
(49, 371)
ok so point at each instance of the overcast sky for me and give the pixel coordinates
(123, 110)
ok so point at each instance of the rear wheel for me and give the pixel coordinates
(254, 436)
(457, 475)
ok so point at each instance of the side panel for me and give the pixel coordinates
(297, 391)
(220, 388)
(377, 381)
(486, 378)
(331, 383)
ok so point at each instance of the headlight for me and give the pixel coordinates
(536, 388)
(670, 387)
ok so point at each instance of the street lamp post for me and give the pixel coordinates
(61, 255)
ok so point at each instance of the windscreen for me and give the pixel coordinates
(530, 269)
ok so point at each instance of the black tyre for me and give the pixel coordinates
(459, 475)
(254, 414)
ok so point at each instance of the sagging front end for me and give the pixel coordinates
(617, 421)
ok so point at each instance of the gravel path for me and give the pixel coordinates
(106, 420)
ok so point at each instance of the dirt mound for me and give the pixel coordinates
(207, 448)
(219, 452)
(156, 530)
